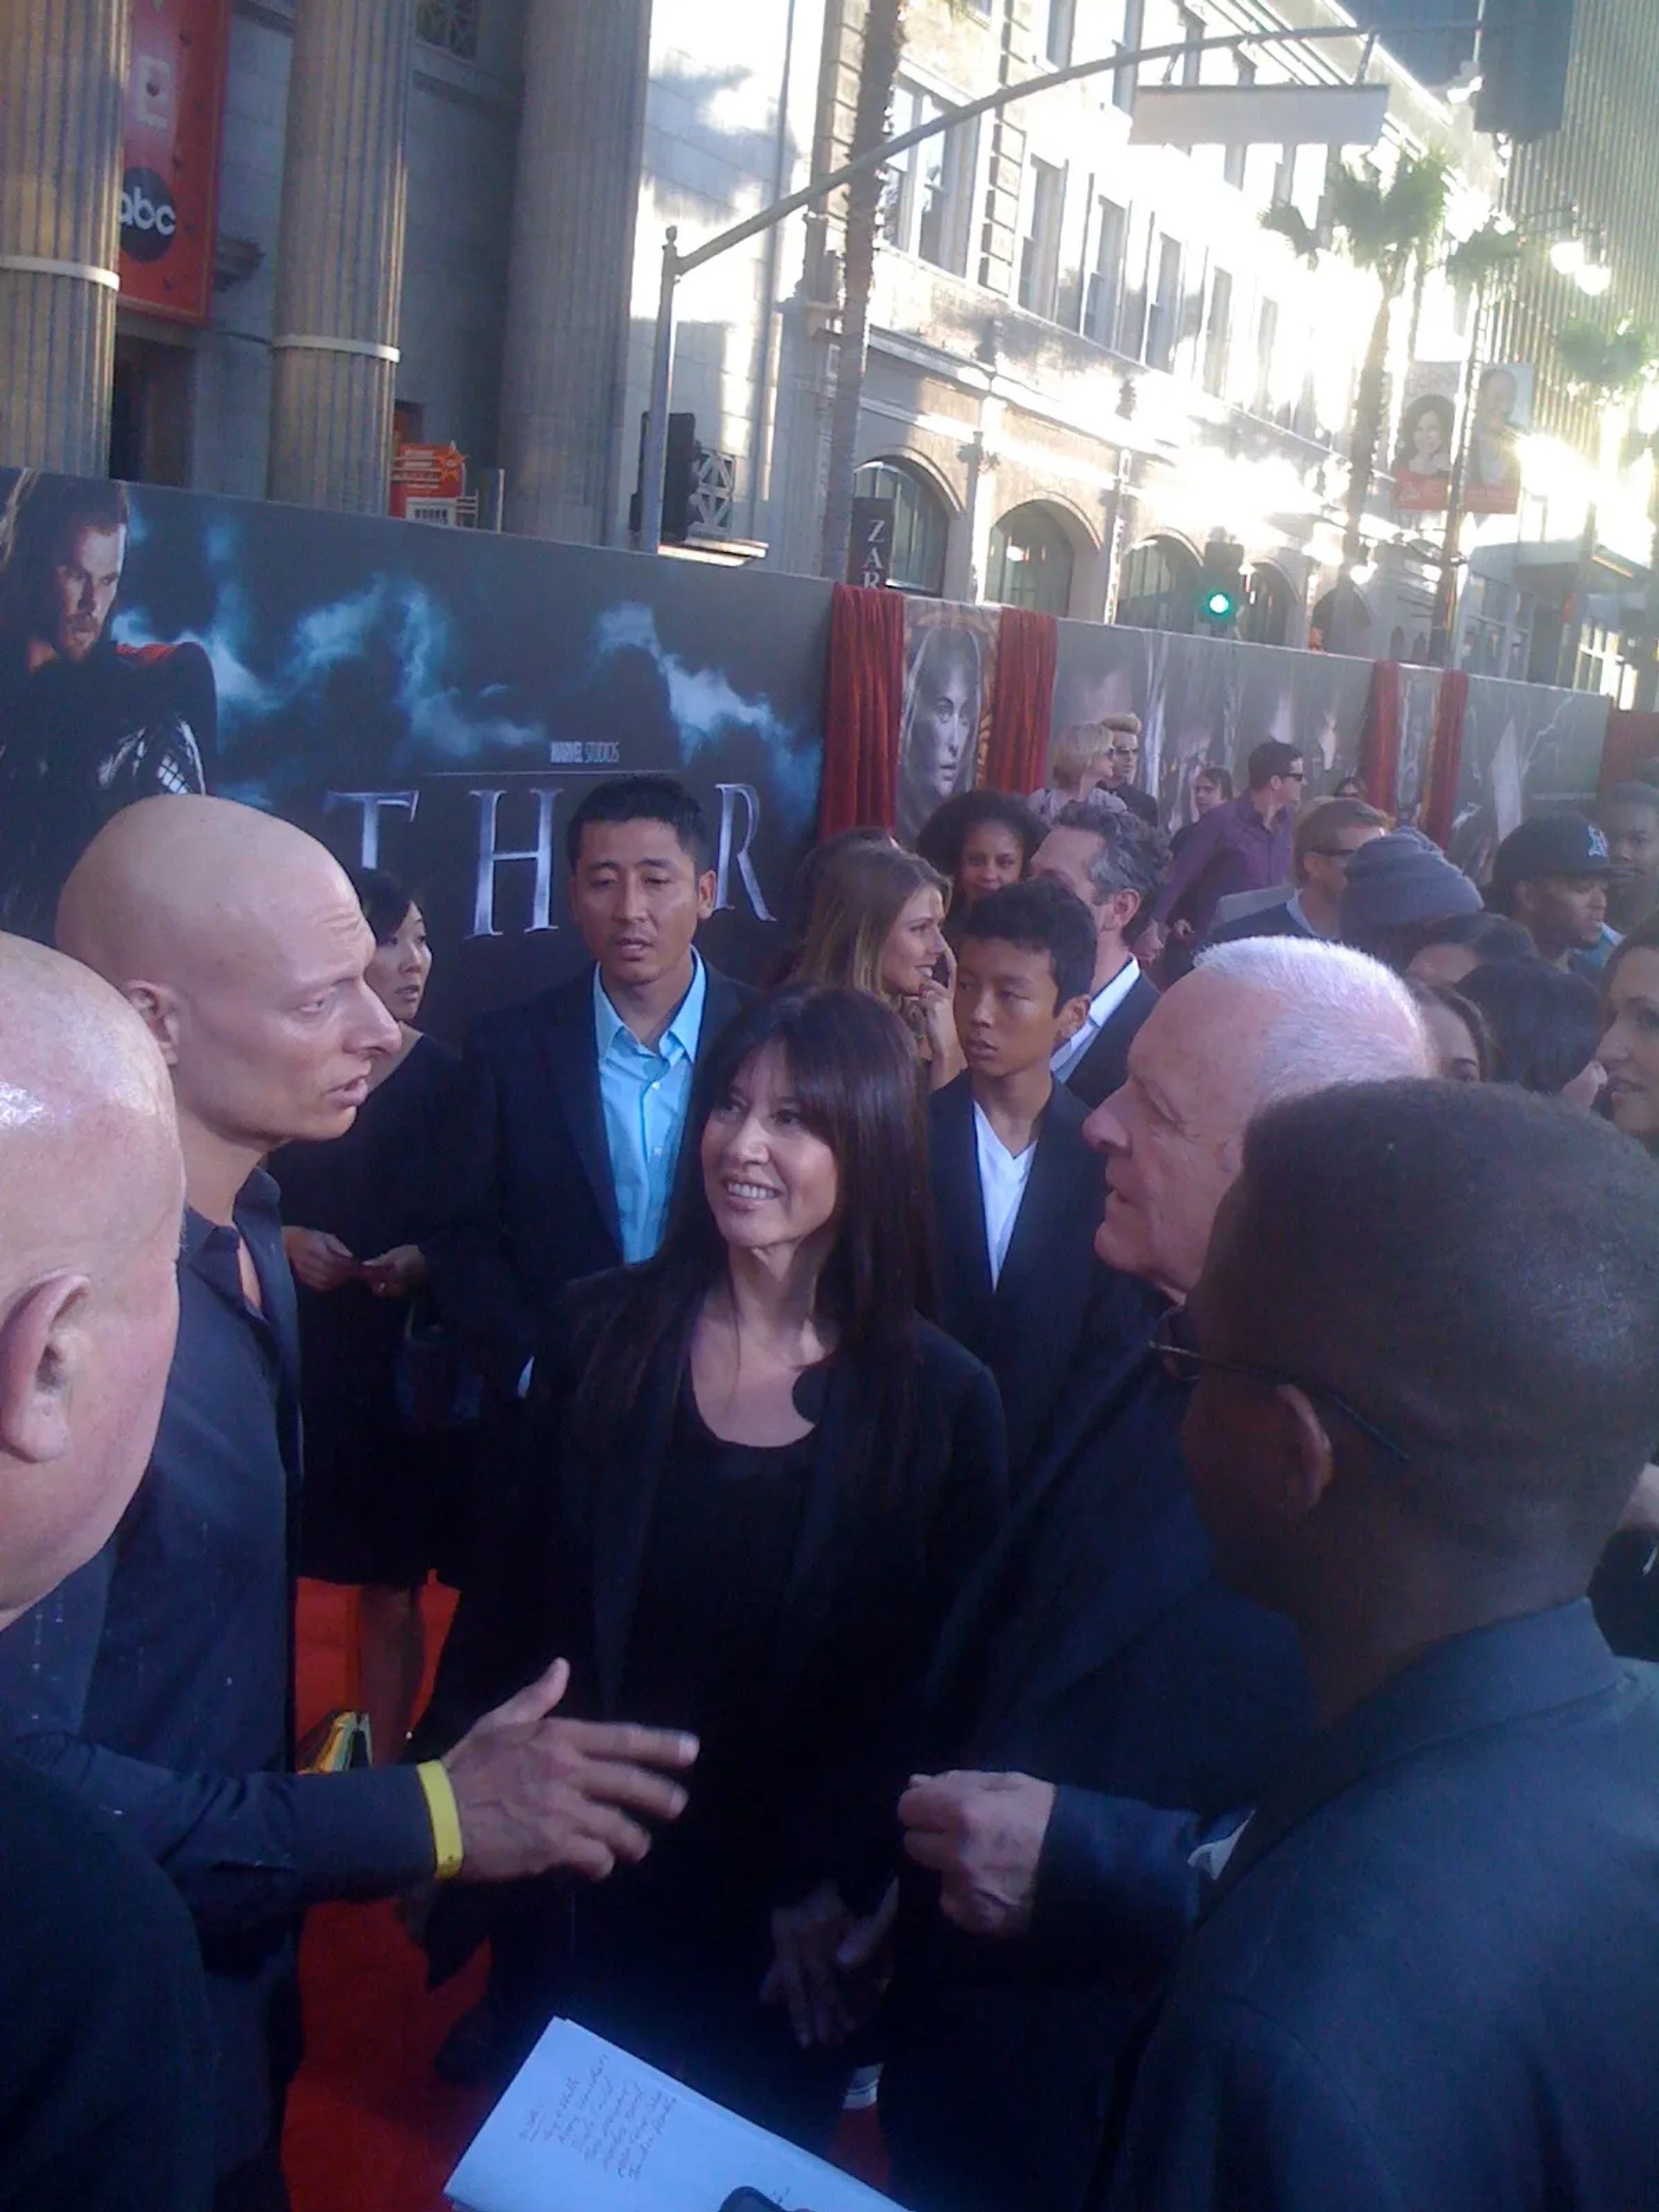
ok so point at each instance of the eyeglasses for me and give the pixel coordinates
(1185, 1363)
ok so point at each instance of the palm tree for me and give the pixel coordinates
(1383, 229)
(884, 36)
(1606, 367)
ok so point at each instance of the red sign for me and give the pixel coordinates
(426, 480)
(169, 184)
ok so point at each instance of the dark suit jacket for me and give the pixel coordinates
(1266, 921)
(106, 2055)
(535, 1205)
(1053, 1296)
(876, 1568)
(1097, 1650)
(1427, 1977)
(1105, 1065)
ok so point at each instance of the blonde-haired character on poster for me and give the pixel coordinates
(945, 689)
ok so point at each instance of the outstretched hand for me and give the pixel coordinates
(534, 1793)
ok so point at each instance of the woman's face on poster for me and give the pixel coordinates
(943, 727)
(1428, 447)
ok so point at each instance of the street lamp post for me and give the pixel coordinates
(677, 265)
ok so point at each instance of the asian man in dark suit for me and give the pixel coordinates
(575, 1103)
(1425, 1977)
(1097, 1654)
(1016, 1189)
(1115, 863)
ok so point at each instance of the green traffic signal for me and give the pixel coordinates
(1220, 606)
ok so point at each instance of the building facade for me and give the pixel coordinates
(442, 219)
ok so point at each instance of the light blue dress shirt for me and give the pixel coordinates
(644, 1092)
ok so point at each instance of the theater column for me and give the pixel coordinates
(576, 211)
(340, 272)
(63, 73)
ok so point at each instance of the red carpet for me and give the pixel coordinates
(370, 2127)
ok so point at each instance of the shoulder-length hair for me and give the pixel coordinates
(939, 652)
(860, 894)
(852, 1072)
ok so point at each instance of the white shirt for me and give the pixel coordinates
(1003, 1176)
(1103, 1005)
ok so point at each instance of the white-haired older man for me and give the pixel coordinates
(1097, 1650)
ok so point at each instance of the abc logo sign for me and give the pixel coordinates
(149, 220)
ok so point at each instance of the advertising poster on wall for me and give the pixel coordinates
(1502, 410)
(950, 678)
(1426, 444)
(430, 701)
(1207, 702)
(1527, 749)
(169, 183)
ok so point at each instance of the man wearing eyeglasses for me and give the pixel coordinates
(1425, 1976)
(1099, 1667)
(1326, 839)
(1244, 845)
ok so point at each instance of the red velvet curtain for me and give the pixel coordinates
(865, 700)
(1379, 743)
(1446, 757)
(1022, 706)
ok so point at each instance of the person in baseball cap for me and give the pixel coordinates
(1551, 875)
(1396, 888)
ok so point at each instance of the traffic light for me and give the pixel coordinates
(1525, 46)
(1221, 584)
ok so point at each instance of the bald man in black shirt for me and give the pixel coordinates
(103, 2048)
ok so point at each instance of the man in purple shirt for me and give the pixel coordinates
(1242, 845)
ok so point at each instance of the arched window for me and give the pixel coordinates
(1264, 618)
(921, 524)
(1031, 561)
(1159, 587)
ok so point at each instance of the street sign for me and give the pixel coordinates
(1258, 115)
(428, 483)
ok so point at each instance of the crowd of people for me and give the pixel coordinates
(1042, 1510)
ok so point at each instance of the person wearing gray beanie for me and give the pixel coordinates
(1396, 886)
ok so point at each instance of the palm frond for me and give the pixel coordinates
(1485, 253)
(1606, 365)
(1290, 224)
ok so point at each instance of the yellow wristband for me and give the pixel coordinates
(444, 1816)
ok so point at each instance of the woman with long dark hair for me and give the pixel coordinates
(754, 1481)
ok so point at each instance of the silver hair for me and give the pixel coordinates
(1337, 1016)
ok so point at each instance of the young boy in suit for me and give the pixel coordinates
(1017, 1192)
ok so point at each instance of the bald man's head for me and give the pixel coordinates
(91, 1192)
(240, 942)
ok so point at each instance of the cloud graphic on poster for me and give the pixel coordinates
(389, 615)
(708, 709)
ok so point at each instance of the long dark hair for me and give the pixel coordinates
(852, 1070)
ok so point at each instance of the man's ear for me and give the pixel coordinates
(1072, 1016)
(157, 1006)
(1310, 1465)
(41, 1340)
(708, 885)
(1125, 905)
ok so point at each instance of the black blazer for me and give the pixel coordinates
(1105, 1066)
(534, 1206)
(1053, 1295)
(1425, 1977)
(876, 1570)
(1096, 1647)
